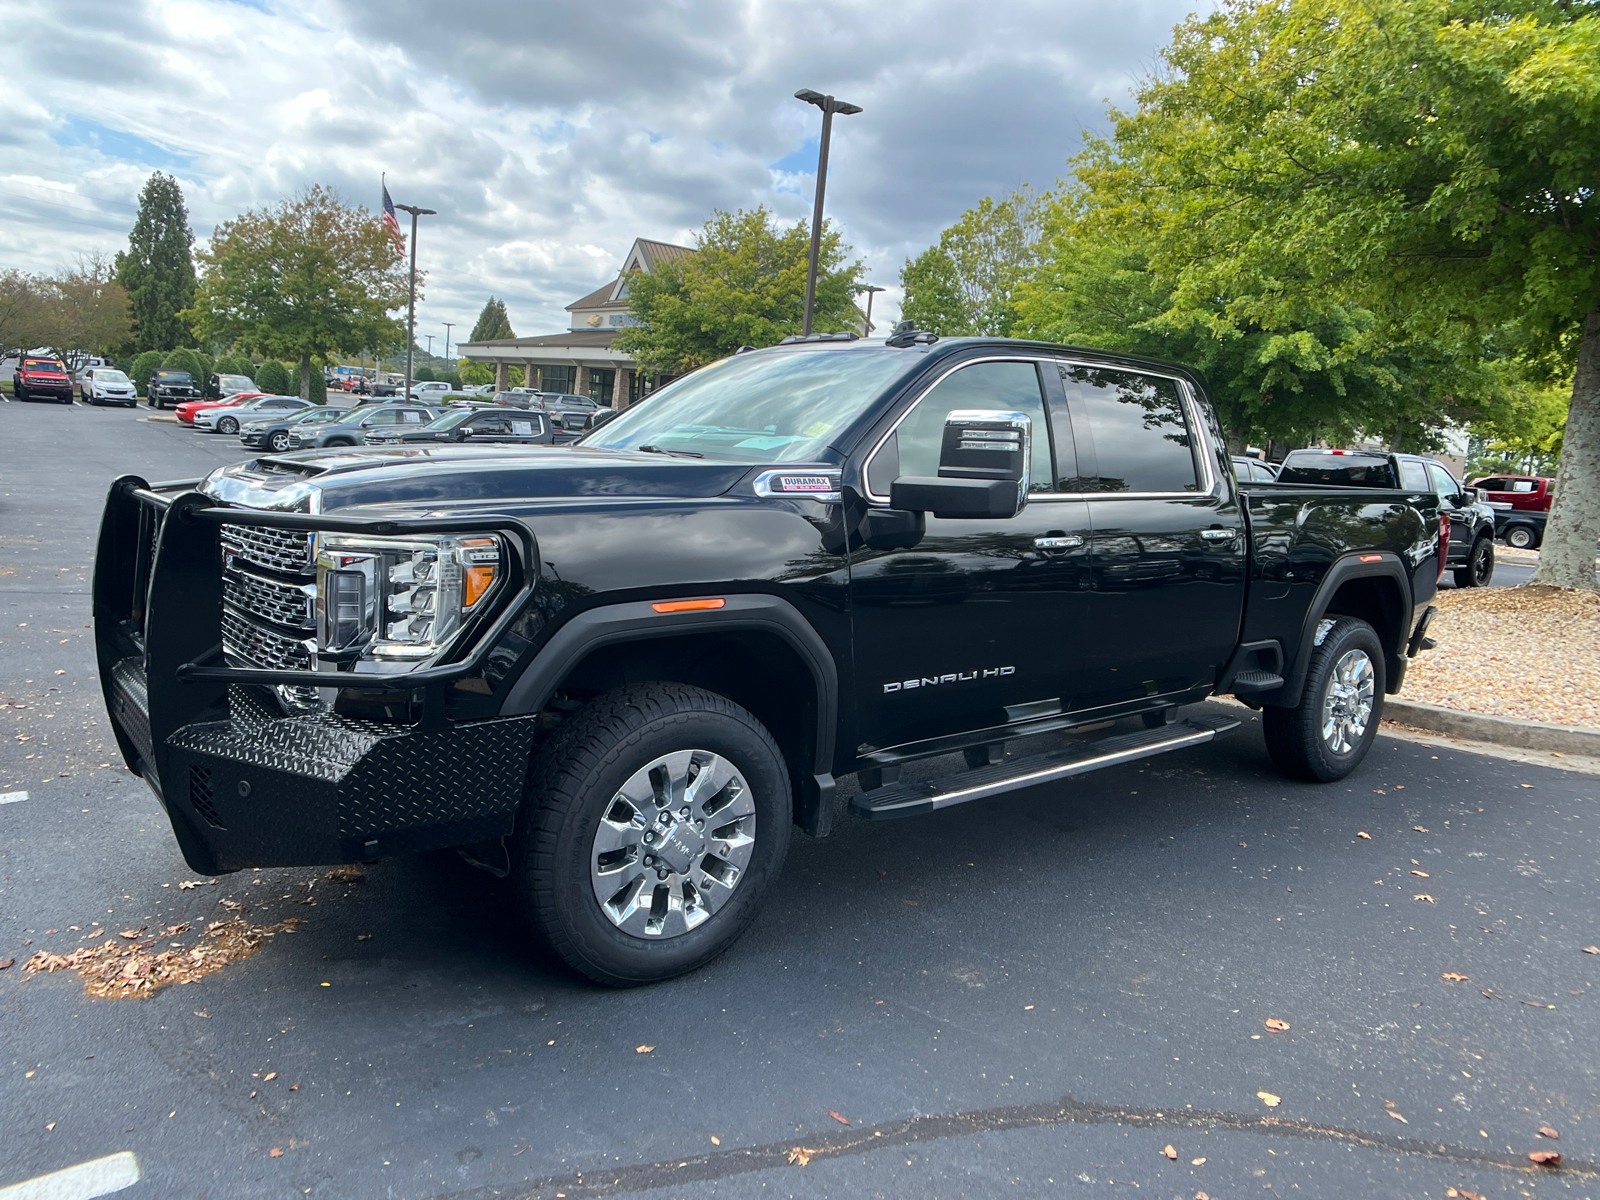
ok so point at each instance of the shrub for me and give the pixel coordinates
(145, 365)
(425, 375)
(453, 379)
(185, 360)
(273, 377)
(319, 386)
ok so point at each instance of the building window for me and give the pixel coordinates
(555, 379)
(600, 385)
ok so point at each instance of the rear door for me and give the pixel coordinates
(1450, 500)
(1168, 558)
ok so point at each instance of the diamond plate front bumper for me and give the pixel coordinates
(245, 785)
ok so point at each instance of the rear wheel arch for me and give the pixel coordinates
(1377, 593)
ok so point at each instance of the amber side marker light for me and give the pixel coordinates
(672, 606)
(1372, 558)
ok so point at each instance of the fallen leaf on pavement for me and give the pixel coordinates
(1197, 1162)
(1491, 994)
(1170, 1152)
(200, 1012)
(1268, 1099)
(1455, 977)
(1397, 1116)
(1591, 949)
(843, 1120)
(131, 934)
(1546, 1131)
(643, 1049)
(1419, 829)
(1276, 1026)
(800, 1156)
(1424, 896)
(346, 875)
(1536, 1004)
(715, 1140)
(1364, 835)
(1544, 1158)
(6, 962)
(185, 885)
(117, 970)
(269, 1077)
(275, 1152)
(294, 1087)
(1201, 1196)
(1420, 874)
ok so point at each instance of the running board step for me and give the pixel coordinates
(914, 799)
(1256, 681)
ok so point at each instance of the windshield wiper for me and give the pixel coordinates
(663, 450)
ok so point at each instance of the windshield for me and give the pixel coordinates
(451, 419)
(173, 376)
(781, 407)
(110, 377)
(42, 364)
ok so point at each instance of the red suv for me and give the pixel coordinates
(41, 378)
(1525, 493)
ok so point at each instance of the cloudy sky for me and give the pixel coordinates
(549, 135)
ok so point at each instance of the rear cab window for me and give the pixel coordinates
(1133, 429)
(1412, 475)
(1340, 470)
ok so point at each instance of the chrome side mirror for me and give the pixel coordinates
(983, 468)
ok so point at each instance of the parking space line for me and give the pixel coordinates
(99, 1177)
(12, 798)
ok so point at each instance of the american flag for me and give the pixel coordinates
(391, 222)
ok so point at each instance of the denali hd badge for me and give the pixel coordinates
(953, 677)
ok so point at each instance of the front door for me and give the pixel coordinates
(967, 624)
(1169, 554)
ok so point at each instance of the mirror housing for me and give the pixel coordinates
(983, 468)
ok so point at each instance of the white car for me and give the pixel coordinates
(107, 385)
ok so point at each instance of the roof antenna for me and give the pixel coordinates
(906, 334)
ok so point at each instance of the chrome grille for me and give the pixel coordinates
(262, 647)
(276, 549)
(287, 604)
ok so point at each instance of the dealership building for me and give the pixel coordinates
(581, 360)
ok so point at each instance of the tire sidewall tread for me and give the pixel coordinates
(1294, 735)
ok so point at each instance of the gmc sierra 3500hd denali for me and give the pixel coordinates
(621, 671)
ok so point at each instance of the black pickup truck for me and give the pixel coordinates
(621, 671)
(171, 387)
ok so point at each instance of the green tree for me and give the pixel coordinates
(24, 317)
(309, 278)
(425, 374)
(144, 366)
(272, 377)
(493, 324)
(476, 373)
(1428, 161)
(157, 269)
(965, 286)
(745, 286)
(89, 311)
(185, 360)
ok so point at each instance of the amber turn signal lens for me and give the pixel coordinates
(672, 606)
(479, 580)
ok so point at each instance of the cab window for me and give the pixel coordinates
(913, 448)
(1412, 475)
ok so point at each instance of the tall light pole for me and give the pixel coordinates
(448, 326)
(430, 349)
(411, 306)
(829, 106)
(871, 290)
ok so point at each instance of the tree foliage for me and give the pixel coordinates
(1428, 162)
(144, 366)
(492, 324)
(744, 286)
(157, 269)
(79, 311)
(965, 286)
(308, 278)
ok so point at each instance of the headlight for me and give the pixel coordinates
(399, 602)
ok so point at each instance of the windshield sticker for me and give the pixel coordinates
(817, 428)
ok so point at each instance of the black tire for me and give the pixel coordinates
(1479, 569)
(18, 393)
(574, 779)
(1522, 537)
(278, 442)
(227, 425)
(1295, 736)
(339, 442)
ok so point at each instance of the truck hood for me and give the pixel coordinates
(447, 473)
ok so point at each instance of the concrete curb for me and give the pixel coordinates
(1504, 731)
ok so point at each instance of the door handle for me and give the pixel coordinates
(1070, 542)
(1218, 535)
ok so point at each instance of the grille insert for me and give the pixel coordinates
(286, 604)
(275, 549)
(201, 798)
(262, 647)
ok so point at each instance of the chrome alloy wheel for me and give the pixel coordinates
(1347, 704)
(673, 844)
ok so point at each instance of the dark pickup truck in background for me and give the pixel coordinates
(623, 671)
(171, 388)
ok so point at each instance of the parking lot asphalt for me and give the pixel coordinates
(1033, 996)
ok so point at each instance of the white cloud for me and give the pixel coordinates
(548, 136)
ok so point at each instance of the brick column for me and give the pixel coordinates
(530, 375)
(580, 380)
(501, 383)
(619, 389)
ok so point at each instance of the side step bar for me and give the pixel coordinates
(914, 799)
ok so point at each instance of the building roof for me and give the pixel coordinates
(644, 255)
(576, 338)
(599, 298)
